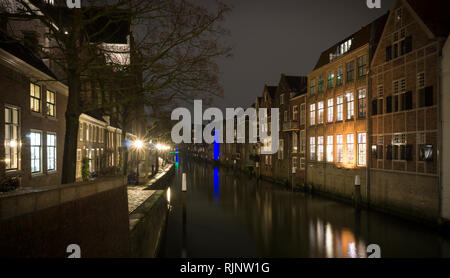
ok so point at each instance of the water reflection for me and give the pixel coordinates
(240, 217)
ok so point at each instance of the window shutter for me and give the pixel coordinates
(389, 104)
(408, 44)
(374, 107)
(429, 96)
(409, 152)
(389, 152)
(408, 101)
(388, 53)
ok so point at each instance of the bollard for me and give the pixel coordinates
(357, 194)
(183, 183)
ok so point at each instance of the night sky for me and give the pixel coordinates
(270, 37)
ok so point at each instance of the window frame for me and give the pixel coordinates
(50, 104)
(34, 99)
(12, 125)
(55, 149)
(40, 147)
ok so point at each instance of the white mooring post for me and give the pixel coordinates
(183, 183)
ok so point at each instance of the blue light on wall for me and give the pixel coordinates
(216, 145)
(176, 156)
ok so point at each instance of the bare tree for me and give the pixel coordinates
(176, 42)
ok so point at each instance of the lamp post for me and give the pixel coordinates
(138, 144)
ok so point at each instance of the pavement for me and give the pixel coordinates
(138, 194)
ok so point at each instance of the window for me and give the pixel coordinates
(321, 84)
(362, 66)
(340, 76)
(51, 152)
(406, 45)
(330, 112)
(281, 99)
(286, 115)
(295, 113)
(87, 131)
(79, 155)
(36, 152)
(399, 90)
(281, 150)
(426, 152)
(330, 80)
(330, 148)
(320, 148)
(339, 148)
(303, 113)
(362, 103)
(350, 148)
(51, 102)
(362, 141)
(35, 98)
(340, 108)
(312, 113)
(350, 106)
(294, 142)
(313, 86)
(350, 71)
(380, 146)
(12, 142)
(398, 14)
(302, 141)
(302, 163)
(294, 164)
(388, 53)
(320, 107)
(399, 147)
(312, 148)
(426, 97)
(80, 131)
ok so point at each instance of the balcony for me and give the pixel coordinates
(291, 126)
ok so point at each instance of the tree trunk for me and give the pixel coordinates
(71, 137)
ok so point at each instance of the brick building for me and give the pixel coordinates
(406, 109)
(267, 101)
(33, 107)
(337, 113)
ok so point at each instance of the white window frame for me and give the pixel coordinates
(55, 147)
(362, 149)
(40, 146)
(330, 148)
(320, 143)
(330, 112)
(312, 114)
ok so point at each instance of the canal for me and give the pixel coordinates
(224, 214)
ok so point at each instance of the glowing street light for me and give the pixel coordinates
(161, 147)
(138, 144)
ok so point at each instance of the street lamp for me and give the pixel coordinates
(138, 145)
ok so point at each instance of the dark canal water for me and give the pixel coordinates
(229, 215)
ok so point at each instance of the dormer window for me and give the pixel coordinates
(398, 14)
(341, 49)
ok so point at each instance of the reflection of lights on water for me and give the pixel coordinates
(352, 250)
(216, 183)
(329, 241)
(168, 195)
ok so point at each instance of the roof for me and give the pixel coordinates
(371, 32)
(15, 48)
(296, 83)
(272, 90)
(435, 14)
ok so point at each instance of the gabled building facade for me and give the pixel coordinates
(406, 116)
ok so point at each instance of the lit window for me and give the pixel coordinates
(312, 148)
(35, 98)
(362, 141)
(340, 108)
(350, 106)
(36, 152)
(295, 113)
(302, 163)
(80, 131)
(281, 150)
(330, 110)
(312, 113)
(286, 116)
(51, 152)
(330, 148)
(294, 142)
(12, 129)
(294, 164)
(281, 99)
(350, 148)
(320, 107)
(320, 148)
(51, 103)
(362, 103)
(340, 148)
